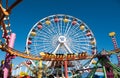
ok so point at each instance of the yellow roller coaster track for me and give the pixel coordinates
(33, 57)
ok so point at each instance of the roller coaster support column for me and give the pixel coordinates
(108, 69)
(40, 69)
(112, 35)
(66, 69)
(104, 70)
(91, 74)
(7, 65)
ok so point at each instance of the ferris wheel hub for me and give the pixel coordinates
(62, 39)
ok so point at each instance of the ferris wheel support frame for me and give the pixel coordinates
(8, 58)
(66, 69)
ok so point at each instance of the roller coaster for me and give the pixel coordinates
(63, 46)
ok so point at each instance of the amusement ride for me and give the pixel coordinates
(57, 46)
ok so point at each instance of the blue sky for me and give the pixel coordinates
(102, 16)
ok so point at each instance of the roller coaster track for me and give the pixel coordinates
(7, 11)
(115, 66)
(12, 51)
(18, 53)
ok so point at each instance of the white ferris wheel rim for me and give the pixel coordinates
(54, 16)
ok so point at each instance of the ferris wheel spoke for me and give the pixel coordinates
(50, 31)
(50, 50)
(36, 45)
(73, 30)
(69, 29)
(56, 28)
(47, 32)
(84, 38)
(43, 36)
(42, 39)
(53, 28)
(80, 44)
(43, 32)
(74, 51)
(47, 27)
(66, 27)
(85, 48)
(53, 24)
(40, 45)
(81, 41)
(78, 34)
(40, 48)
(40, 42)
(61, 27)
(77, 50)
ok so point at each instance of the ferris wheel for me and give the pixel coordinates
(60, 34)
